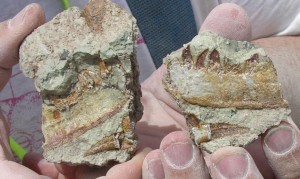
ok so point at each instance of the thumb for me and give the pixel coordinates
(230, 21)
(232, 162)
(38, 164)
(12, 33)
(282, 148)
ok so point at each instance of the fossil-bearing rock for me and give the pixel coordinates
(85, 69)
(227, 90)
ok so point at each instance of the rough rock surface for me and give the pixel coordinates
(227, 90)
(85, 69)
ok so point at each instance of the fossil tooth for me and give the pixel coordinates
(85, 69)
(227, 90)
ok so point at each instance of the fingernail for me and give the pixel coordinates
(20, 17)
(155, 169)
(233, 166)
(280, 140)
(179, 154)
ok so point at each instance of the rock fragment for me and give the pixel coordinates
(227, 90)
(85, 68)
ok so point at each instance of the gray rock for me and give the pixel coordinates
(227, 90)
(85, 69)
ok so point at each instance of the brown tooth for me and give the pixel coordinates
(215, 56)
(127, 144)
(192, 120)
(186, 55)
(106, 144)
(254, 59)
(63, 102)
(219, 130)
(201, 59)
(126, 125)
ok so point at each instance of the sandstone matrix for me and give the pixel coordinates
(84, 66)
(227, 90)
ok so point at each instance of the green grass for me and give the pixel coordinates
(66, 4)
(17, 148)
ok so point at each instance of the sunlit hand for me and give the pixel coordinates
(12, 33)
(276, 154)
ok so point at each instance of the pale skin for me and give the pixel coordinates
(277, 154)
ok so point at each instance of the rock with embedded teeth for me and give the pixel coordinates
(227, 90)
(85, 69)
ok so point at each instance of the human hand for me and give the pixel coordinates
(12, 33)
(275, 154)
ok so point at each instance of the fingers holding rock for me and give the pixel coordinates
(233, 162)
(132, 168)
(282, 148)
(255, 149)
(15, 30)
(12, 33)
(38, 164)
(152, 166)
(181, 158)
